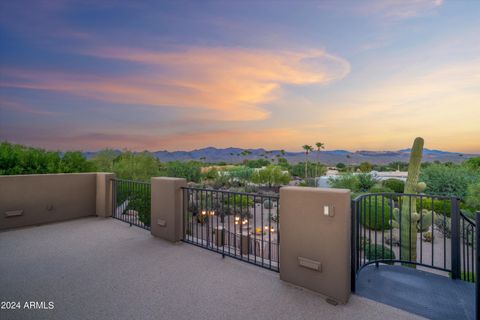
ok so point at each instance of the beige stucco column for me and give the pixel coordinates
(166, 210)
(315, 240)
(104, 194)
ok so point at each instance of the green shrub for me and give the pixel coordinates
(366, 181)
(472, 200)
(373, 218)
(345, 181)
(380, 189)
(439, 205)
(378, 252)
(448, 180)
(394, 184)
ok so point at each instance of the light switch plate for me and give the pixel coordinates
(328, 211)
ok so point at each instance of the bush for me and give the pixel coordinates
(345, 181)
(448, 180)
(378, 252)
(187, 170)
(439, 205)
(373, 218)
(394, 184)
(366, 181)
(18, 159)
(140, 202)
(472, 200)
(380, 189)
(341, 166)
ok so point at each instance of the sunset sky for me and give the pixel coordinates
(181, 75)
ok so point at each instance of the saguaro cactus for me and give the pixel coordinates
(409, 217)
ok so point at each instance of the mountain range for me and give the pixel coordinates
(330, 157)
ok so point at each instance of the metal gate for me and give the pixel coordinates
(424, 231)
(131, 202)
(244, 226)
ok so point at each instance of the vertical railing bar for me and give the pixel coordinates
(364, 245)
(278, 234)
(455, 238)
(197, 212)
(353, 250)
(358, 206)
(400, 225)
(392, 203)
(421, 228)
(464, 244)
(383, 226)
(255, 228)
(375, 222)
(445, 238)
(477, 265)
(433, 236)
(410, 228)
(263, 243)
(370, 219)
(269, 240)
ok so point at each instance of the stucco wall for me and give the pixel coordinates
(46, 198)
(315, 247)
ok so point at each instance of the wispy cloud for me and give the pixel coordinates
(15, 106)
(403, 9)
(228, 83)
(391, 9)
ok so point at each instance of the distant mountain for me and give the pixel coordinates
(331, 157)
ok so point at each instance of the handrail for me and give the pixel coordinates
(395, 194)
(233, 192)
(126, 180)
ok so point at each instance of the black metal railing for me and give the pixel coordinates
(425, 231)
(131, 202)
(244, 226)
(468, 248)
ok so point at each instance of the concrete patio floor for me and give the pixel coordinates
(97, 268)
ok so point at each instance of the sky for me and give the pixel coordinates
(182, 75)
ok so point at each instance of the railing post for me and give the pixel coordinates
(353, 247)
(477, 266)
(455, 238)
(166, 208)
(320, 218)
(104, 194)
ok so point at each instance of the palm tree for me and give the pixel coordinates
(307, 149)
(320, 145)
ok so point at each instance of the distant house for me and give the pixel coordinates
(323, 181)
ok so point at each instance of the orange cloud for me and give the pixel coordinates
(226, 83)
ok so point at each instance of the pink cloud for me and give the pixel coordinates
(226, 83)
